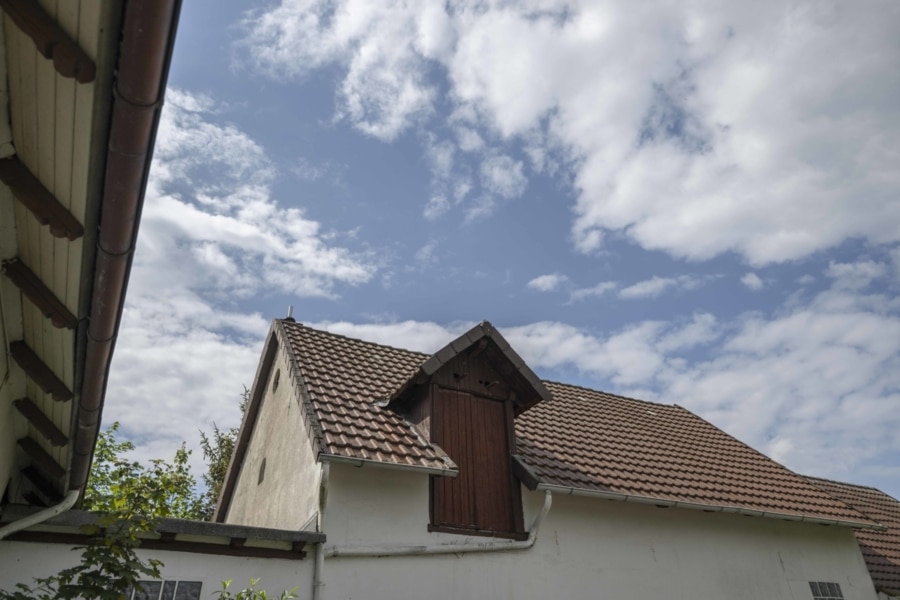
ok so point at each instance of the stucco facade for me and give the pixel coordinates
(284, 493)
(586, 548)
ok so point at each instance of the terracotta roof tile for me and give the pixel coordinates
(582, 438)
(880, 549)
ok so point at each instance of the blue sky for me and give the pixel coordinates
(690, 204)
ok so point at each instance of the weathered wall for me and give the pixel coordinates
(287, 496)
(21, 562)
(587, 548)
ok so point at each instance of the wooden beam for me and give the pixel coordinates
(51, 41)
(41, 459)
(40, 482)
(39, 372)
(29, 190)
(41, 422)
(39, 294)
(33, 499)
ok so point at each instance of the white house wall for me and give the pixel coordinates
(287, 497)
(21, 562)
(587, 548)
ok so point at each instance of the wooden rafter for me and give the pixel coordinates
(51, 41)
(36, 291)
(29, 190)
(41, 422)
(39, 372)
(41, 459)
(41, 484)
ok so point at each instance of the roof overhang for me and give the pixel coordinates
(178, 535)
(485, 340)
(86, 85)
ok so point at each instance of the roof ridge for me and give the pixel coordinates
(352, 339)
(856, 485)
(613, 394)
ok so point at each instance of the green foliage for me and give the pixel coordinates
(131, 497)
(165, 489)
(217, 450)
(128, 497)
(250, 593)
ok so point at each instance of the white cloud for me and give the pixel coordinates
(729, 130)
(599, 290)
(752, 282)
(503, 176)
(855, 275)
(548, 282)
(425, 256)
(238, 239)
(653, 287)
(184, 350)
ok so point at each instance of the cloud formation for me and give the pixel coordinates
(211, 234)
(548, 282)
(684, 127)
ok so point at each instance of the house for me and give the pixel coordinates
(462, 475)
(880, 549)
(81, 88)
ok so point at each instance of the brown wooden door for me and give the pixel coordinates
(474, 432)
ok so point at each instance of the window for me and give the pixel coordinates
(823, 590)
(275, 380)
(484, 497)
(165, 590)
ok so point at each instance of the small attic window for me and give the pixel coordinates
(275, 380)
(262, 472)
(825, 590)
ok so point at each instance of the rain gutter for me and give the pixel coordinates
(362, 462)
(571, 491)
(148, 37)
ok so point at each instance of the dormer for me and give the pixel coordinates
(464, 399)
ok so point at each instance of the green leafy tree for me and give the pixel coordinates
(166, 488)
(128, 498)
(217, 450)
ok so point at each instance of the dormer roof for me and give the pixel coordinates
(497, 352)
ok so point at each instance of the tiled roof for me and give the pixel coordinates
(880, 549)
(344, 379)
(581, 439)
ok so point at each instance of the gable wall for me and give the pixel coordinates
(288, 495)
(587, 548)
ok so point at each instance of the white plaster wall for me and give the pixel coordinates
(288, 495)
(21, 562)
(587, 548)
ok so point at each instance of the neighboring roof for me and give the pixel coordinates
(880, 549)
(581, 439)
(177, 535)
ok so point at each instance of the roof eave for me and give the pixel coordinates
(668, 503)
(148, 36)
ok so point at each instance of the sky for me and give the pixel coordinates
(695, 203)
